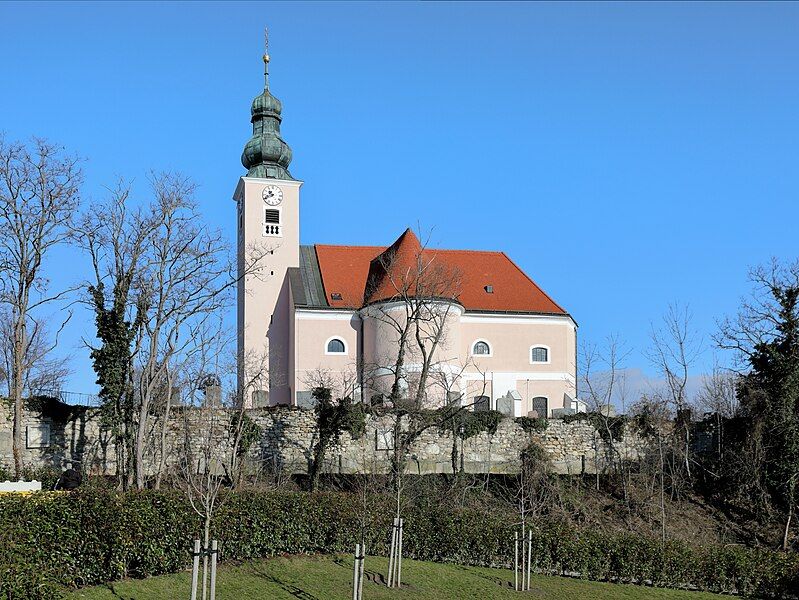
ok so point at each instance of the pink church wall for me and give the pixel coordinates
(312, 332)
(508, 368)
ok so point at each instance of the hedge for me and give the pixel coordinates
(52, 541)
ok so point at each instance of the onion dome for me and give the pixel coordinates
(266, 155)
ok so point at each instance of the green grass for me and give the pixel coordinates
(330, 578)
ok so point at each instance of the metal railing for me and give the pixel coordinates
(72, 398)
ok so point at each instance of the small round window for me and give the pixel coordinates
(336, 346)
(481, 348)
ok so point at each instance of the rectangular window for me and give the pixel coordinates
(539, 355)
(384, 438)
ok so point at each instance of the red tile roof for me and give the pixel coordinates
(346, 269)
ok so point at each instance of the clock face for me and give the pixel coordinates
(272, 195)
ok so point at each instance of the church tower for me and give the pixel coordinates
(268, 213)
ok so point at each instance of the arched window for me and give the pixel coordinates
(539, 405)
(481, 348)
(336, 346)
(539, 354)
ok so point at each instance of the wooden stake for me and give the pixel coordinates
(205, 569)
(214, 551)
(195, 568)
(524, 556)
(391, 554)
(516, 560)
(355, 572)
(399, 555)
(360, 572)
(529, 555)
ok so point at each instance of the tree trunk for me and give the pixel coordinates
(398, 365)
(688, 450)
(140, 443)
(16, 393)
(17, 440)
(454, 455)
(164, 426)
(129, 465)
(662, 491)
(787, 528)
(790, 516)
(318, 458)
(427, 358)
(206, 536)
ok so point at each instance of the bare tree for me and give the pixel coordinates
(202, 464)
(114, 234)
(653, 414)
(533, 487)
(718, 396)
(204, 451)
(417, 292)
(673, 351)
(44, 373)
(717, 393)
(603, 380)
(186, 280)
(254, 370)
(414, 294)
(39, 188)
(160, 274)
(762, 315)
(450, 381)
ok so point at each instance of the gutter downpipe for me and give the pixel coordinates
(360, 358)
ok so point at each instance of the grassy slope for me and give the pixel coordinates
(330, 578)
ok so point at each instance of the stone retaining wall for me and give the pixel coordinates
(288, 436)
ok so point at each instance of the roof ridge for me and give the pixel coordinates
(471, 251)
(346, 246)
(424, 249)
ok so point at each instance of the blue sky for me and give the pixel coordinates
(626, 155)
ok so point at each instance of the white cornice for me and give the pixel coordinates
(551, 376)
(242, 180)
(374, 310)
(289, 182)
(518, 319)
(320, 314)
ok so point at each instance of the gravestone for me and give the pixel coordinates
(482, 404)
(505, 405)
(305, 400)
(260, 398)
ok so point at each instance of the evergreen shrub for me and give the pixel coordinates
(51, 541)
(530, 424)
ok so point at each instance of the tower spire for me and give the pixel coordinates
(266, 155)
(266, 58)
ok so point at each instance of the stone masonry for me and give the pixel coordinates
(75, 436)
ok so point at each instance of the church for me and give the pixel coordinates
(385, 323)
